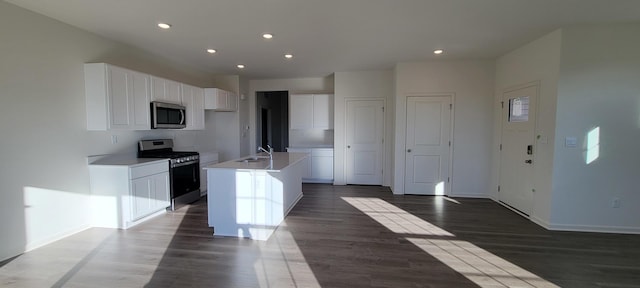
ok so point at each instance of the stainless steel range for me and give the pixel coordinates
(184, 168)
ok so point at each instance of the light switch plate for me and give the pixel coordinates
(570, 142)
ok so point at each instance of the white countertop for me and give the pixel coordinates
(312, 147)
(281, 160)
(125, 160)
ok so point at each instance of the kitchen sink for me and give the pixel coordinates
(253, 159)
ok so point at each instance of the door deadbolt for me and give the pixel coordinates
(409, 150)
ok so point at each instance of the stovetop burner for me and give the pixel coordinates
(162, 148)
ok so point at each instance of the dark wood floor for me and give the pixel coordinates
(339, 236)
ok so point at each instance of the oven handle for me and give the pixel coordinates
(196, 162)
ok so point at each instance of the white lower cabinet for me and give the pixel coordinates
(318, 166)
(148, 194)
(125, 195)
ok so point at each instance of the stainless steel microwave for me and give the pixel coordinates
(167, 116)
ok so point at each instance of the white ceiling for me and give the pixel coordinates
(327, 36)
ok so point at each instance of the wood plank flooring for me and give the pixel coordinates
(338, 236)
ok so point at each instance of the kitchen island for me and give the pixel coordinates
(249, 197)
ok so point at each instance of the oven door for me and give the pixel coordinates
(185, 178)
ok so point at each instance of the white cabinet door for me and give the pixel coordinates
(323, 111)
(118, 94)
(220, 100)
(128, 98)
(301, 112)
(157, 89)
(322, 167)
(193, 100)
(160, 191)
(172, 89)
(149, 194)
(141, 197)
(311, 111)
(164, 90)
(140, 101)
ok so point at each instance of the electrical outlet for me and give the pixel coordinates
(615, 203)
(114, 139)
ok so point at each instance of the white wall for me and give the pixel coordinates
(230, 139)
(293, 85)
(537, 61)
(471, 82)
(364, 85)
(598, 87)
(44, 184)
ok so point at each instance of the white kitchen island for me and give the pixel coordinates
(249, 197)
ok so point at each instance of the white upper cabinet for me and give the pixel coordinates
(323, 111)
(311, 111)
(220, 100)
(117, 98)
(301, 112)
(165, 90)
(193, 100)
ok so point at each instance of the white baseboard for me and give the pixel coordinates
(481, 196)
(580, 228)
(295, 202)
(55, 237)
(594, 228)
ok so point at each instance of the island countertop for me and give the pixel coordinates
(261, 161)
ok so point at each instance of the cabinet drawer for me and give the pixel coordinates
(146, 170)
(322, 152)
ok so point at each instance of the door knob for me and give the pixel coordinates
(349, 146)
(528, 161)
(408, 150)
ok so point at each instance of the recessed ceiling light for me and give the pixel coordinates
(267, 36)
(211, 51)
(288, 56)
(164, 25)
(240, 66)
(438, 51)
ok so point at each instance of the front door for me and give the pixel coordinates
(428, 146)
(365, 130)
(516, 156)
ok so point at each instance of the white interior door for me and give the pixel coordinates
(516, 156)
(365, 130)
(428, 145)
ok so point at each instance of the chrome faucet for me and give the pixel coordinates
(270, 151)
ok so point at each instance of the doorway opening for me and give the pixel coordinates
(273, 119)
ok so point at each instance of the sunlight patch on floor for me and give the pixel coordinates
(284, 266)
(476, 264)
(394, 218)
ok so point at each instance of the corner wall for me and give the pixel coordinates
(598, 87)
(44, 184)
